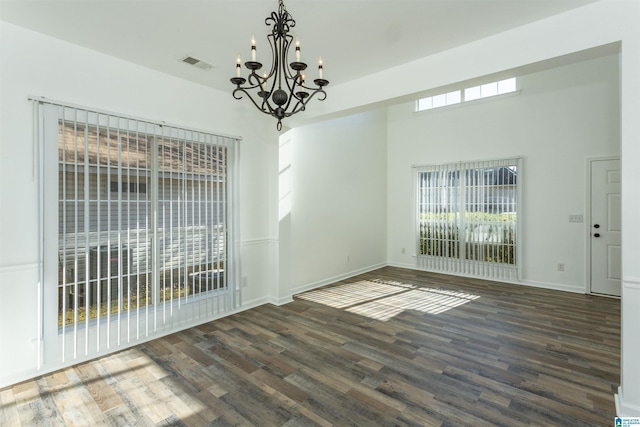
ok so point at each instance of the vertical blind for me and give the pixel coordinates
(467, 218)
(146, 229)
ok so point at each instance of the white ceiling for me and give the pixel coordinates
(354, 37)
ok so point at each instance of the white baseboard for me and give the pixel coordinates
(266, 300)
(402, 265)
(281, 301)
(330, 280)
(554, 286)
(247, 305)
(616, 400)
(532, 283)
(16, 377)
(625, 409)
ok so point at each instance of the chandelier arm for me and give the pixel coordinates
(254, 81)
(281, 61)
(274, 63)
(300, 106)
(310, 88)
(303, 103)
(243, 90)
(285, 54)
(269, 108)
(318, 91)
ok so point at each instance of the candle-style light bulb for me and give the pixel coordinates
(238, 66)
(262, 82)
(253, 48)
(302, 79)
(297, 50)
(320, 68)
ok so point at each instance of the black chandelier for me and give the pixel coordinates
(283, 92)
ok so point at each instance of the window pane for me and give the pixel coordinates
(490, 89)
(439, 100)
(506, 86)
(472, 93)
(453, 97)
(425, 104)
(99, 266)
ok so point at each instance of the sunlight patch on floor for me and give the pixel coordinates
(382, 300)
(342, 296)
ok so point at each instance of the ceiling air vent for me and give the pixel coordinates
(197, 63)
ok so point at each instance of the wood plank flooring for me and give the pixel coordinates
(418, 349)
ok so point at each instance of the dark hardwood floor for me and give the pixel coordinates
(391, 347)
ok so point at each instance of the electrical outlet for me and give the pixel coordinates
(560, 267)
(245, 281)
(402, 251)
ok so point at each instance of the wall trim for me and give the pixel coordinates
(553, 286)
(403, 265)
(248, 305)
(19, 267)
(622, 408)
(28, 374)
(266, 241)
(625, 409)
(531, 283)
(267, 300)
(631, 284)
(337, 278)
(280, 301)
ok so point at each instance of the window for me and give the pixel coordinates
(439, 100)
(470, 94)
(490, 89)
(145, 225)
(467, 217)
(105, 254)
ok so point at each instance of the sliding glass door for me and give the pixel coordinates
(145, 224)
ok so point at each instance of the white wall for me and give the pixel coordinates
(36, 65)
(559, 118)
(590, 26)
(339, 197)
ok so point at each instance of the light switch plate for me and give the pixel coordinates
(576, 218)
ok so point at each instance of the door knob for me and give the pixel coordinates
(596, 226)
(596, 235)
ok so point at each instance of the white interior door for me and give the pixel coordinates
(605, 233)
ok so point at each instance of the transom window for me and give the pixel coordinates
(469, 94)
